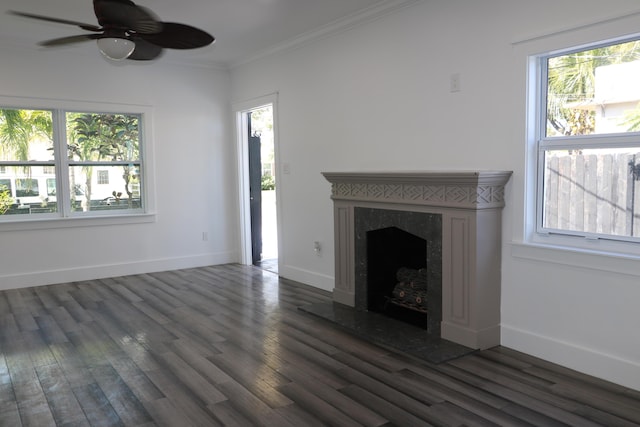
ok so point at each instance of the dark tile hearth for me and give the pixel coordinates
(388, 332)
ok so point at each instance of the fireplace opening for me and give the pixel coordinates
(388, 242)
(397, 279)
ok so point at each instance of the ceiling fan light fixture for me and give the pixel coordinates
(127, 31)
(116, 48)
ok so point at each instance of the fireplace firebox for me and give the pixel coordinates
(396, 275)
(398, 265)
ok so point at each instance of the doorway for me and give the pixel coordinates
(258, 195)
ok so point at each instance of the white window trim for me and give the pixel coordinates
(94, 219)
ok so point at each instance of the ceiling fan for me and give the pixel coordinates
(129, 31)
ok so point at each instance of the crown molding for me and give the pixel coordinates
(373, 13)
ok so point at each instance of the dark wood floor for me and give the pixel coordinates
(226, 345)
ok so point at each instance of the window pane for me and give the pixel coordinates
(122, 192)
(51, 186)
(25, 135)
(593, 191)
(26, 190)
(594, 91)
(103, 177)
(100, 137)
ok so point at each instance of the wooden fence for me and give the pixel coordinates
(592, 193)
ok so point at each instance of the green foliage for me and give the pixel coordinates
(96, 137)
(5, 199)
(571, 86)
(262, 119)
(19, 127)
(268, 182)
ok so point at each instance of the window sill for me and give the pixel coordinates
(93, 221)
(612, 262)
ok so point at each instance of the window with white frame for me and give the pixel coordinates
(103, 177)
(588, 142)
(54, 160)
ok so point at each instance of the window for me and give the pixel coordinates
(51, 187)
(589, 142)
(27, 187)
(103, 177)
(58, 163)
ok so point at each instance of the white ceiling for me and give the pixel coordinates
(244, 29)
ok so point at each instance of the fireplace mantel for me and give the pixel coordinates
(464, 189)
(470, 203)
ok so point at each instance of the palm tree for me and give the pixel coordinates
(19, 128)
(571, 86)
(121, 142)
(96, 137)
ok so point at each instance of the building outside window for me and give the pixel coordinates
(588, 142)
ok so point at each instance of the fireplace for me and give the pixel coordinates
(451, 224)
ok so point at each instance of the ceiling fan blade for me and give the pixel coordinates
(70, 39)
(123, 14)
(127, 2)
(179, 36)
(144, 50)
(88, 27)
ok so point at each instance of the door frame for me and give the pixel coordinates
(241, 111)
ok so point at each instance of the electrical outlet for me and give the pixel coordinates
(317, 248)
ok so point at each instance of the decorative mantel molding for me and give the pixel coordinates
(464, 190)
(470, 203)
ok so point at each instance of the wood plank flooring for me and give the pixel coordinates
(226, 346)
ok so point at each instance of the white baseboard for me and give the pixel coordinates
(589, 361)
(310, 278)
(40, 278)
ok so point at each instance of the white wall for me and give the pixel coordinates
(193, 147)
(377, 97)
